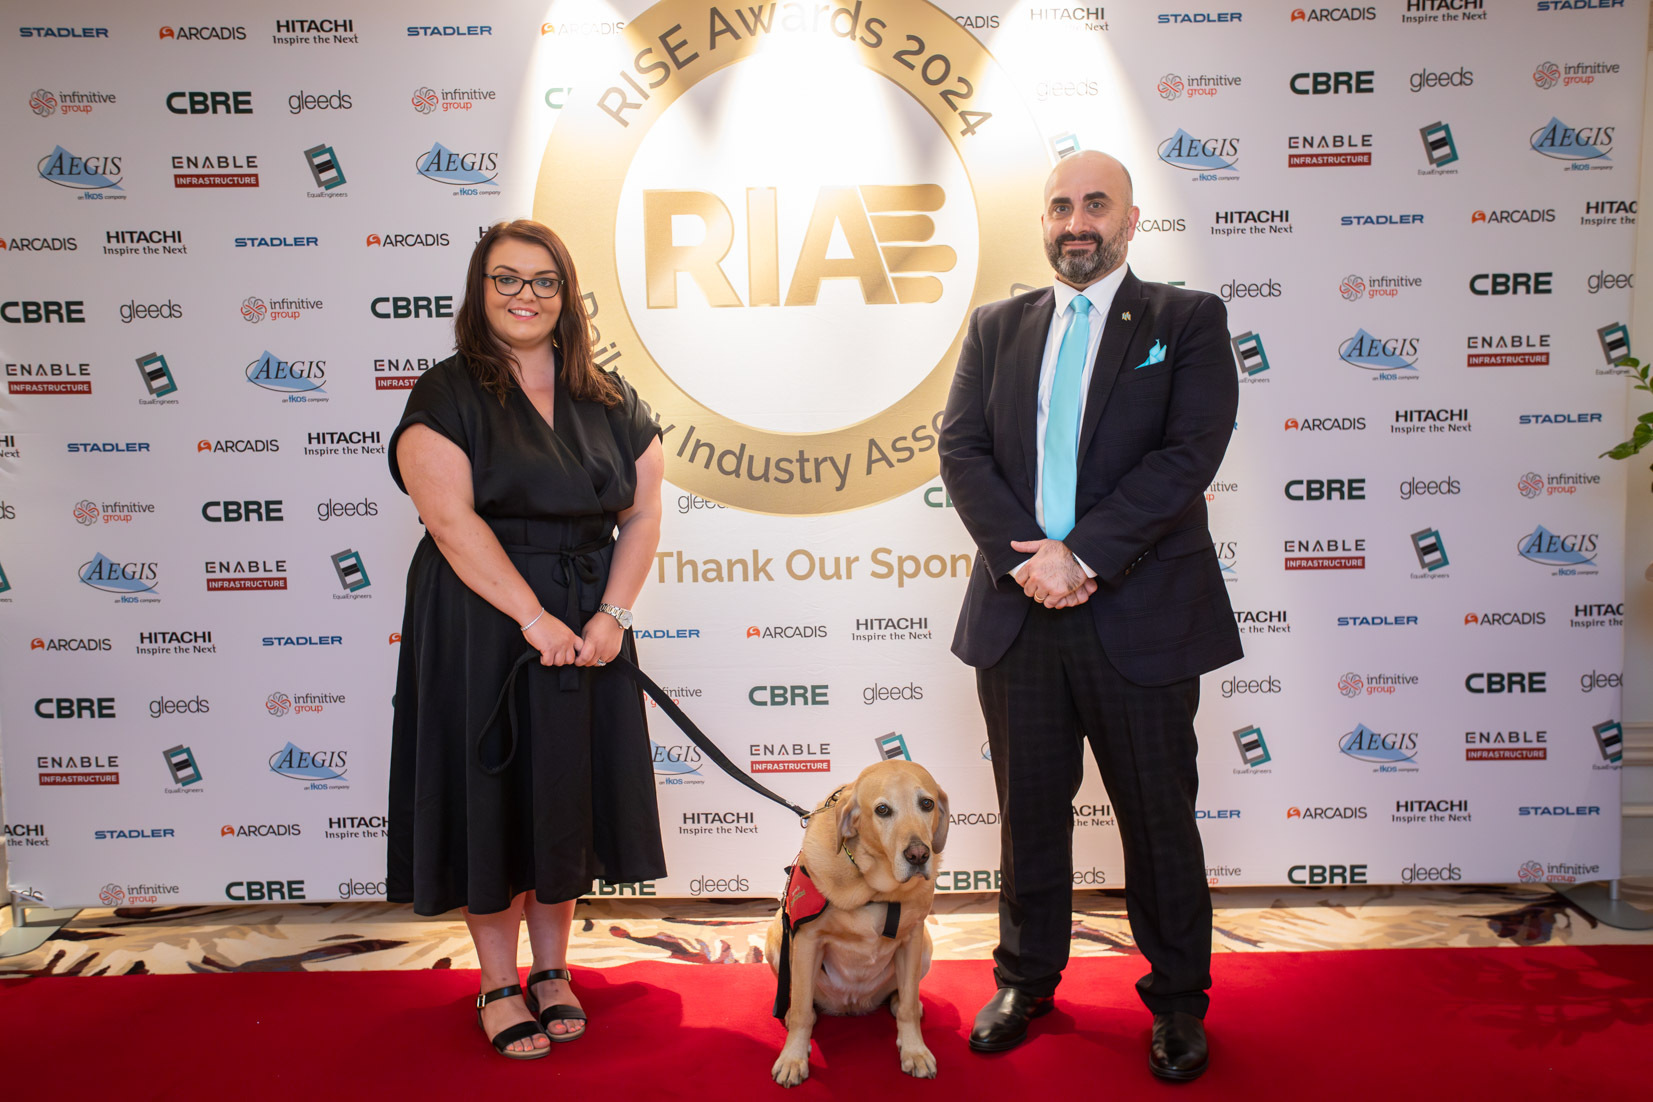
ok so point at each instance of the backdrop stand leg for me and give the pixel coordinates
(1601, 902)
(31, 926)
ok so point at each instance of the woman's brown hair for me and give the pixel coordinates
(489, 358)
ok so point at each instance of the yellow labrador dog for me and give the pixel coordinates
(850, 932)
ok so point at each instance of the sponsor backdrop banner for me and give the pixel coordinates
(232, 243)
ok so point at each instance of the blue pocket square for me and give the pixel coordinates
(1155, 355)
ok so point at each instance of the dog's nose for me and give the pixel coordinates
(917, 853)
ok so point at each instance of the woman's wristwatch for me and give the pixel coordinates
(622, 615)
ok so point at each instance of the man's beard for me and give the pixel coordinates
(1083, 268)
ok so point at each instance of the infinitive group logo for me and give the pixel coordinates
(442, 101)
(255, 309)
(1196, 86)
(45, 103)
(1580, 148)
(1580, 74)
(1534, 485)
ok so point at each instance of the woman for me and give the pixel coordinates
(512, 789)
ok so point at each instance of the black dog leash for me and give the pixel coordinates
(508, 699)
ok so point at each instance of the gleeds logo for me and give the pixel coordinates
(94, 176)
(1210, 158)
(296, 380)
(468, 173)
(1582, 148)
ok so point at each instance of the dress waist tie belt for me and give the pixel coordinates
(576, 569)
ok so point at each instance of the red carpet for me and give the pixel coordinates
(1460, 1024)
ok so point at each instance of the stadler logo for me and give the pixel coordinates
(1385, 355)
(1381, 220)
(467, 171)
(1211, 158)
(1182, 17)
(1383, 748)
(294, 378)
(1557, 140)
(92, 175)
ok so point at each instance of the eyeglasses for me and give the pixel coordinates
(544, 287)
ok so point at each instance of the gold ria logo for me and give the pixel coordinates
(784, 215)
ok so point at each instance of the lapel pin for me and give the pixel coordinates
(1126, 316)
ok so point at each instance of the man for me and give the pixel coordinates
(1084, 424)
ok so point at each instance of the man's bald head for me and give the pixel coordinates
(1089, 217)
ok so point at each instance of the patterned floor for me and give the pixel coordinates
(608, 932)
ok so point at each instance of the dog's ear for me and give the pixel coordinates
(944, 818)
(849, 814)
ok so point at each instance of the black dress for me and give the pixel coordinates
(476, 816)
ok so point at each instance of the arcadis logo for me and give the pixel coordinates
(295, 378)
(1560, 142)
(1333, 15)
(1211, 158)
(1386, 355)
(93, 175)
(467, 172)
(203, 34)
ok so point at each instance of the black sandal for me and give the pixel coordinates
(556, 1012)
(510, 1035)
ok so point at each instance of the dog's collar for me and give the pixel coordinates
(851, 856)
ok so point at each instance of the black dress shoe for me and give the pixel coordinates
(1178, 1050)
(1002, 1023)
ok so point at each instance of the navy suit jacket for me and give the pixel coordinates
(1151, 440)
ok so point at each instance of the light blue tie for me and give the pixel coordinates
(1061, 467)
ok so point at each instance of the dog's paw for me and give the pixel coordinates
(919, 1062)
(791, 1070)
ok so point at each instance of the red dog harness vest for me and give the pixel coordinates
(801, 904)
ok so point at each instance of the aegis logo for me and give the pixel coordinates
(1558, 141)
(888, 268)
(1564, 550)
(676, 760)
(468, 171)
(1325, 424)
(406, 240)
(88, 174)
(1206, 156)
(290, 377)
(1382, 354)
(125, 579)
(1381, 747)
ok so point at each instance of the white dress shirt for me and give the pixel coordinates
(1100, 295)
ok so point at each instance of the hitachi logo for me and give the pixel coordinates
(1439, 807)
(144, 237)
(1599, 610)
(726, 818)
(1233, 217)
(354, 437)
(1408, 416)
